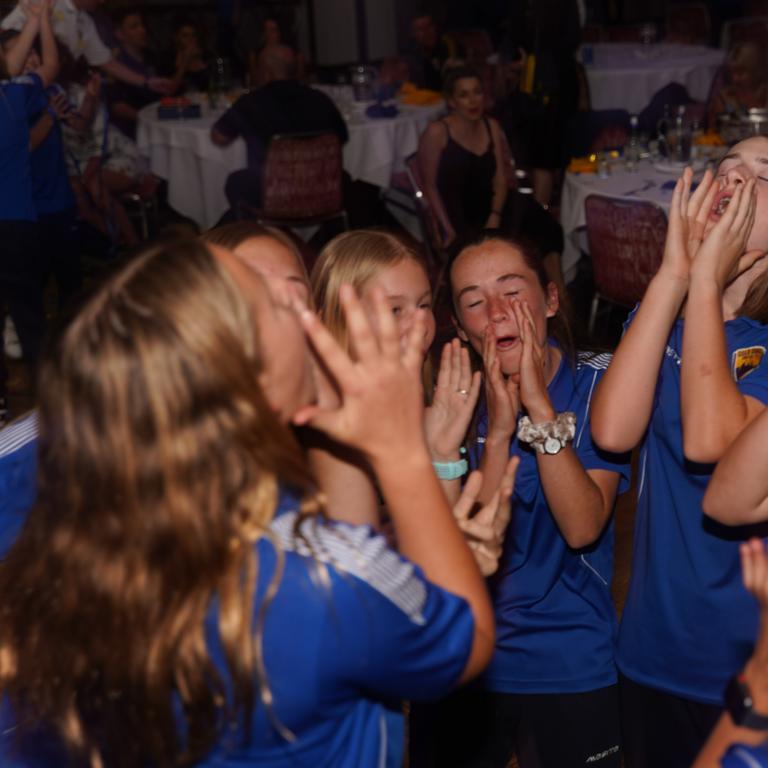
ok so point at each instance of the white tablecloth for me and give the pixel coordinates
(646, 183)
(627, 75)
(182, 152)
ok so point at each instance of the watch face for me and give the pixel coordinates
(552, 446)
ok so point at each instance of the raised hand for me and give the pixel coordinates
(754, 569)
(485, 530)
(688, 214)
(533, 381)
(446, 421)
(381, 407)
(722, 255)
(502, 395)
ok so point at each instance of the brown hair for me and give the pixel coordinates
(159, 466)
(557, 326)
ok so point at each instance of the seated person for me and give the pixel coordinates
(75, 30)
(102, 164)
(187, 63)
(125, 99)
(283, 105)
(744, 84)
(271, 36)
(433, 51)
(462, 159)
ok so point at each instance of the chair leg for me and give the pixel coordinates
(593, 313)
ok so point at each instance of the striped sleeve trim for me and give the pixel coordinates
(18, 434)
(354, 550)
(599, 361)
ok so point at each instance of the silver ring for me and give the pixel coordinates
(464, 392)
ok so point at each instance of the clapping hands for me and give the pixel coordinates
(446, 421)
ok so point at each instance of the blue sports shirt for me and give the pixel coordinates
(688, 622)
(20, 98)
(353, 630)
(555, 621)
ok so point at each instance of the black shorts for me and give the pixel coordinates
(478, 729)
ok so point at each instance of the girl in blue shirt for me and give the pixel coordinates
(549, 693)
(176, 596)
(21, 97)
(683, 391)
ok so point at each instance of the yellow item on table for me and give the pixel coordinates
(418, 97)
(586, 164)
(709, 140)
(529, 73)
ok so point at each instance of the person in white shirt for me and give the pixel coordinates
(74, 28)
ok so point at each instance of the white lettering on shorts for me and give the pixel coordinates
(605, 753)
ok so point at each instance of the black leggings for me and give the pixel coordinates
(477, 729)
(661, 730)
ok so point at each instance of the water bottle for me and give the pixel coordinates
(632, 150)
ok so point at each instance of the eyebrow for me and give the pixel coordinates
(428, 292)
(501, 279)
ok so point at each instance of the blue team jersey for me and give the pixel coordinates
(741, 756)
(20, 98)
(555, 621)
(51, 191)
(353, 630)
(688, 622)
(18, 476)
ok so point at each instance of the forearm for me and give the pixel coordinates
(15, 58)
(50, 52)
(493, 464)
(428, 535)
(574, 498)
(633, 372)
(737, 494)
(86, 113)
(40, 130)
(119, 71)
(499, 193)
(706, 378)
(436, 202)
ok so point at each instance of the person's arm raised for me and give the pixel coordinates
(580, 500)
(381, 415)
(15, 58)
(706, 377)
(754, 568)
(631, 377)
(737, 494)
(49, 68)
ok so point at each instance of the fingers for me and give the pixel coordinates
(369, 341)
(331, 355)
(699, 195)
(685, 192)
(413, 354)
(747, 260)
(463, 506)
(445, 371)
(754, 567)
(466, 375)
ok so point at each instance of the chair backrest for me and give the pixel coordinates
(430, 224)
(752, 29)
(626, 243)
(689, 23)
(302, 176)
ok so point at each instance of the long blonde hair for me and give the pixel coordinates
(354, 258)
(160, 463)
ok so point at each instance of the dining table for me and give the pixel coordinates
(651, 181)
(181, 151)
(627, 75)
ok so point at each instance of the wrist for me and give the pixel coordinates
(704, 282)
(541, 412)
(497, 438)
(444, 456)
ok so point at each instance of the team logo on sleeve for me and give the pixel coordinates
(745, 360)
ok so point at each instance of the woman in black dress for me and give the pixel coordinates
(464, 164)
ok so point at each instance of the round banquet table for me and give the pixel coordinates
(182, 153)
(627, 75)
(647, 183)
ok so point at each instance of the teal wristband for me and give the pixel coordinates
(450, 470)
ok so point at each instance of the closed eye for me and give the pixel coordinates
(475, 304)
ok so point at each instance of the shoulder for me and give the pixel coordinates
(18, 434)
(436, 133)
(355, 551)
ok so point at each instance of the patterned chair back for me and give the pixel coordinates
(302, 177)
(626, 243)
